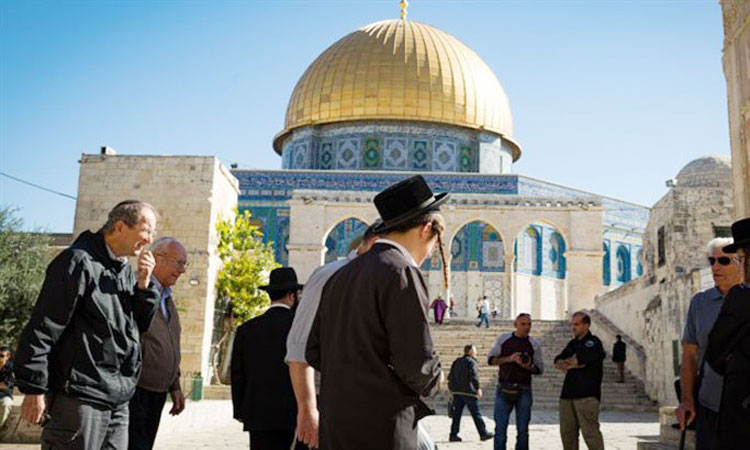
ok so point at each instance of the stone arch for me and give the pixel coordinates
(540, 249)
(338, 238)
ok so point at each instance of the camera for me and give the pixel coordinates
(525, 358)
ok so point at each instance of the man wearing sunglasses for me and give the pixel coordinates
(700, 385)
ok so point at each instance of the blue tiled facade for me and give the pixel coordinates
(387, 146)
(266, 193)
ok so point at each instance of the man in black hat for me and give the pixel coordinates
(370, 339)
(262, 392)
(728, 349)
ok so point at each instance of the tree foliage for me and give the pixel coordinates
(23, 259)
(246, 264)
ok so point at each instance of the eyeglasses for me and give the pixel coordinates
(180, 262)
(723, 260)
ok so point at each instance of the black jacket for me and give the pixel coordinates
(464, 376)
(372, 344)
(728, 353)
(262, 393)
(83, 335)
(619, 352)
(586, 381)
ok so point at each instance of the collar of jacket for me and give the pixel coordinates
(94, 244)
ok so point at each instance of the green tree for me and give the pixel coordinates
(246, 263)
(23, 259)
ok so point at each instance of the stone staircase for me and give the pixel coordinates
(450, 339)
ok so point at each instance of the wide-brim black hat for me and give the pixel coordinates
(404, 201)
(740, 234)
(282, 279)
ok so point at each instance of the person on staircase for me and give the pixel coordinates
(463, 382)
(619, 355)
(518, 357)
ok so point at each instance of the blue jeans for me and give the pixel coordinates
(472, 404)
(484, 319)
(523, 417)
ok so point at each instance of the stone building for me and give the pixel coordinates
(737, 72)
(389, 100)
(652, 310)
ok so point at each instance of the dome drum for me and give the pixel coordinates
(396, 145)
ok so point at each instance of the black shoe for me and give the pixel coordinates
(487, 437)
(454, 439)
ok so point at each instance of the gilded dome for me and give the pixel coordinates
(400, 70)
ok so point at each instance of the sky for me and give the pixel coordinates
(608, 96)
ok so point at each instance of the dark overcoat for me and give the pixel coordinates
(728, 353)
(262, 393)
(371, 342)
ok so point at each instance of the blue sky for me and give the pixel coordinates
(608, 96)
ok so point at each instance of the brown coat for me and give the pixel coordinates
(372, 344)
(161, 352)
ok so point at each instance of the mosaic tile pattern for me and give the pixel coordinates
(444, 156)
(396, 154)
(348, 154)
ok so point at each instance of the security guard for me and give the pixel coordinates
(581, 360)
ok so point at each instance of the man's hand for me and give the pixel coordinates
(685, 414)
(178, 402)
(146, 263)
(516, 358)
(308, 420)
(561, 365)
(479, 393)
(573, 363)
(32, 408)
(3, 385)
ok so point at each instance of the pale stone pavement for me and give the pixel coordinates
(208, 425)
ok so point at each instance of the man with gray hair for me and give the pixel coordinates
(79, 357)
(160, 346)
(700, 385)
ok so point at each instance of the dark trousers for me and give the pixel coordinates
(75, 425)
(145, 414)
(472, 404)
(274, 440)
(706, 429)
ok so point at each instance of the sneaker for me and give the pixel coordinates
(487, 437)
(455, 439)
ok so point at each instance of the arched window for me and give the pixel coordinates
(531, 251)
(338, 240)
(607, 270)
(623, 264)
(557, 254)
(477, 246)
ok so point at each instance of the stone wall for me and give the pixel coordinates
(190, 193)
(736, 14)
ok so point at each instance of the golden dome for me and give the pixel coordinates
(400, 70)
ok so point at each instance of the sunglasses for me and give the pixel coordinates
(723, 260)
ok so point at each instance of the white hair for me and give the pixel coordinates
(718, 243)
(163, 243)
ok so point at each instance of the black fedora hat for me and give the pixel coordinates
(740, 234)
(282, 279)
(404, 201)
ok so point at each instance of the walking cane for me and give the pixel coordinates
(682, 439)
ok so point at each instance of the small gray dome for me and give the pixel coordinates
(708, 171)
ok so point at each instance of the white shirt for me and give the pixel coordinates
(402, 249)
(296, 341)
(279, 305)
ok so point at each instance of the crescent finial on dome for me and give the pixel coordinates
(404, 7)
